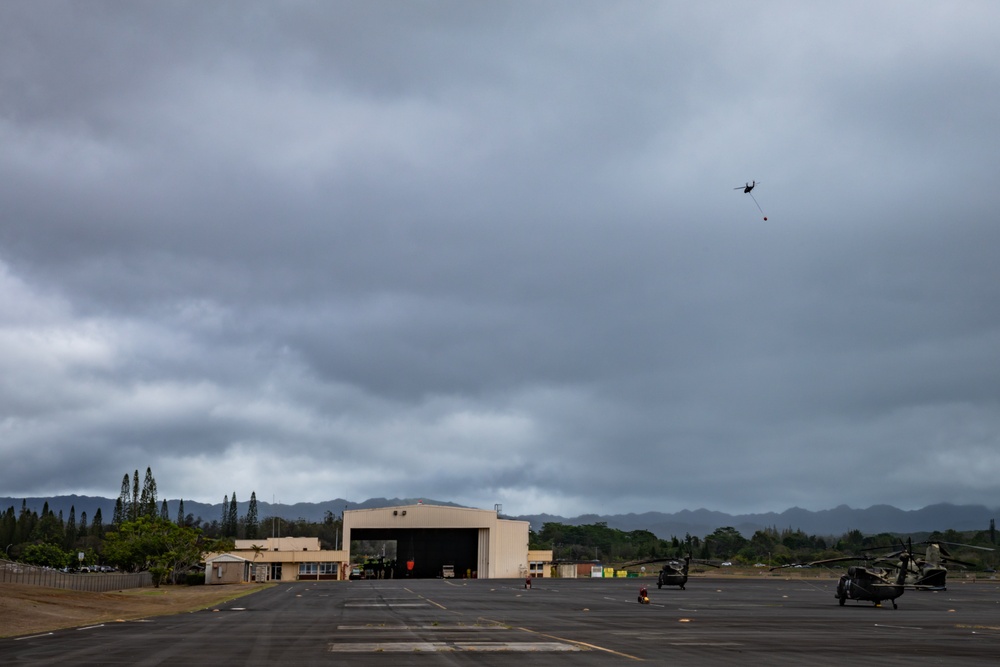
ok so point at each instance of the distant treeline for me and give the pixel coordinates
(769, 546)
(49, 538)
(141, 534)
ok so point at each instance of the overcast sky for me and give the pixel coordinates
(491, 252)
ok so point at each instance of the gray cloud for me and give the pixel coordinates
(494, 254)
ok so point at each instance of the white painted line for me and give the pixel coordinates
(521, 647)
(437, 647)
(395, 647)
(449, 628)
(44, 634)
(91, 627)
(705, 644)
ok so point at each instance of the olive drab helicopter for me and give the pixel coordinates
(868, 582)
(928, 573)
(674, 571)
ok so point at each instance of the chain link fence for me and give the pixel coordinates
(95, 582)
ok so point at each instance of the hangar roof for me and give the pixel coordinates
(422, 516)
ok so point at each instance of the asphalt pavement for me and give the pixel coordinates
(714, 621)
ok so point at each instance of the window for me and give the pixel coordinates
(307, 568)
(328, 568)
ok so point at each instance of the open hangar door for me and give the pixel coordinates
(430, 549)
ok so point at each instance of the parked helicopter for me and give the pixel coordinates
(866, 582)
(872, 584)
(674, 572)
(928, 573)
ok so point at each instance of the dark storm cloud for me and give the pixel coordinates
(492, 253)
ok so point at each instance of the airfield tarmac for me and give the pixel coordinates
(715, 621)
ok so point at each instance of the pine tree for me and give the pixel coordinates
(224, 521)
(70, 538)
(232, 517)
(135, 509)
(164, 511)
(180, 512)
(147, 500)
(84, 529)
(122, 509)
(97, 526)
(251, 526)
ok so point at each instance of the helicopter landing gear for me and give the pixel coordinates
(894, 605)
(843, 600)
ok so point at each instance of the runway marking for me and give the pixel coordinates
(91, 627)
(44, 634)
(593, 647)
(437, 647)
(705, 644)
(440, 606)
(898, 627)
(516, 646)
(450, 627)
(385, 604)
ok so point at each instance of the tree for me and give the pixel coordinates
(180, 512)
(250, 525)
(135, 509)
(70, 536)
(122, 509)
(147, 543)
(97, 526)
(224, 520)
(147, 499)
(164, 512)
(725, 542)
(232, 519)
(8, 528)
(46, 555)
(49, 529)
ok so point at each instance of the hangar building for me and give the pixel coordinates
(431, 541)
(429, 537)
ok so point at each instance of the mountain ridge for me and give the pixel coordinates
(698, 522)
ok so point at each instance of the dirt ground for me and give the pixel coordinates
(28, 610)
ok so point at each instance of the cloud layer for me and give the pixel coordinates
(493, 253)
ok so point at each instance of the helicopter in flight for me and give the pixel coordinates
(748, 189)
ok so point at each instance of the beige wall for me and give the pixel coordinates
(225, 572)
(503, 543)
(290, 552)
